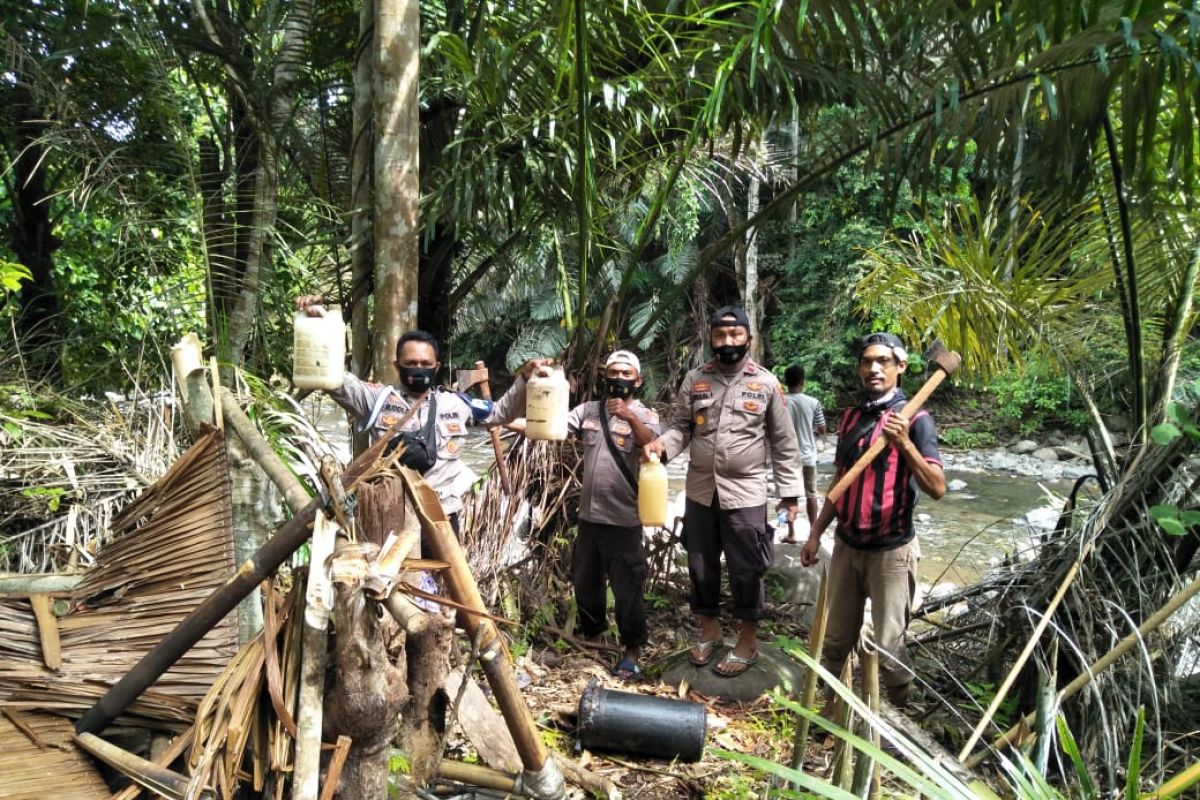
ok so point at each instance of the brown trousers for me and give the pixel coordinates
(889, 579)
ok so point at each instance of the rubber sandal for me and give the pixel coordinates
(708, 648)
(734, 664)
(627, 670)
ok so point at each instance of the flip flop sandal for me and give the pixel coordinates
(707, 648)
(627, 670)
(737, 664)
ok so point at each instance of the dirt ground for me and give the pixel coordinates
(559, 671)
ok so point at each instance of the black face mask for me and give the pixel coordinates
(417, 379)
(731, 353)
(620, 388)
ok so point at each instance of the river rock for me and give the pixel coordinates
(774, 668)
(956, 485)
(1038, 522)
(1045, 454)
(1023, 447)
(1069, 451)
(799, 583)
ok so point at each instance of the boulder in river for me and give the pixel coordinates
(1045, 454)
(956, 485)
(1023, 447)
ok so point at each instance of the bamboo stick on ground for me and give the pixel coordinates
(866, 773)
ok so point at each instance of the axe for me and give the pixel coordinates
(479, 375)
(943, 362)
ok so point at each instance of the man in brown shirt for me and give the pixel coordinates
(732, 416)
(609, 544)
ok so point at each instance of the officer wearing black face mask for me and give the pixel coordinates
(732, 417)
(442, 416)
(609, 544)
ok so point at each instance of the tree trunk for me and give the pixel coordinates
(397, 165)
(367, 690)
(288, 67)
(361, 239)
(750, 279)
(32, 236)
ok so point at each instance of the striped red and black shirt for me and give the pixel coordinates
(876, 512)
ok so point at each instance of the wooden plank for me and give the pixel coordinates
(47, 630)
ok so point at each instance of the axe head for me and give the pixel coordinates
(938, 356)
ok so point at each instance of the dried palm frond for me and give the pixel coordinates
(518, 537)
(1128, 570)
(41, 759)
(62, 484)
(170, 549)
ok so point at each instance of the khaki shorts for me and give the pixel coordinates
(810, 480)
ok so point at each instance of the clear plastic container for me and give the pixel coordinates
(652, 493)
(546, 406)
(318, 350)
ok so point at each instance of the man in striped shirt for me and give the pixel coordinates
(876, 552)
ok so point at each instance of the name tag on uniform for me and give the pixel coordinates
(591, 425)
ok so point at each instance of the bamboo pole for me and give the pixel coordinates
(476, 775)
(1036, 636)
(816, 646)
(866, 774)
(263, 454)
(318, 599)
(1104, 662)
(287, 538)
(542, 773)
(48, 583)
(164, 759)
(160, 780)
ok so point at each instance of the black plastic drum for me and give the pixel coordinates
(641, 725)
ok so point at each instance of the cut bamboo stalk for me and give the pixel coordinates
(866, 775)
(494, 656)
(155, 778)
(50, 583)
(288, 537)
(1104, 662)
(218, 415)
(47, 630)
(816, 646)
(317, 601)
(477, 775)
(336, 762)
(165, 759)
(263, 454)
(1017, 666)
(843, 760)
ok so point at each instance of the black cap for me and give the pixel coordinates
(737, 312)
(887, 340)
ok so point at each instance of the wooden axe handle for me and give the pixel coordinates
(910, 408)
(485, 389)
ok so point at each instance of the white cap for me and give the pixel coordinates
(624, 357)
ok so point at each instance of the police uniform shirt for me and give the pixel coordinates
(733, 424)
(450, 476)
(606, 497)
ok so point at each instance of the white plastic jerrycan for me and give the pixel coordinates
(546, 405)
(318, 349)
